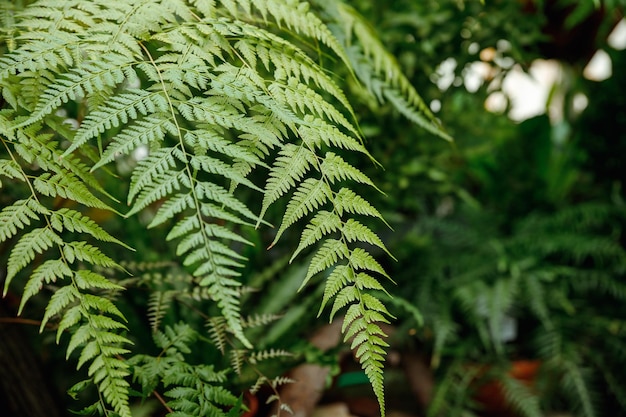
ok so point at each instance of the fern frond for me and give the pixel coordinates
(158, 304)
(100, 345)
(259, 320)
(291, 164)
(143, 132)
(354, 231)
(212, 91)
(347, 201)
(377, 68)
(322, 224)
(520, 397)
(10, 169)
(67, 186)
(217, 331)
(34, 242)
(330, 252)
(162, 185)
(119, 111)
(287, 60)
(304, 100)
(195, 393)
(360, 259)
(576, 386)
(237, 357)
(82, 251)
(360, 324)
(336, 168)
(46, 273)
(337, 280)
(158, 162)
(297, 17)
(310, 195)
(263, 355)
(16, 217)
(41, 149)
(55, 50)
(73, 221)
(85, 80)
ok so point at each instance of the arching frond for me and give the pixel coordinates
(199, 110)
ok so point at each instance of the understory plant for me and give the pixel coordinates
(549, 291)
(148, 146)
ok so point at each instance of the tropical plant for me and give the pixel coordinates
(206, 118)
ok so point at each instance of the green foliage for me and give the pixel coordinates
(552, 271)
(194, 389)
(216, 95)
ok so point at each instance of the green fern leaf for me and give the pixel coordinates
(354, 231)
(143, 132)
(347, 295)
(46, 273)
(288, 60)
(576, 383)
(71, 317)
(347, 201)
(67, 186)
(34, 242)
(206, 139)
(338, 279)
(119, 111)
(162, 185)
(377, 68)
(292, 163)
(59, 300)
(91, 77)
(213, 192)
(80, 336)
(336, 168)
(217, 332)
(259, 320)
(159, 162)
(365, 281)
(158, 304)
(361, 259)
(183, 227)
(521, 398)
(264, 355)
(108, 373)
(308, 197)
(304, 100)
(82, 251)
(223, 290)
(57, 49)
(74, 221)
(237, 357)
(322, 224)
(10, 169)
(297, 17)
(212, 91)
(171, 207)
(16, 217)
(329, 254)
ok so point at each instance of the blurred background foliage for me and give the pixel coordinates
(509, 240)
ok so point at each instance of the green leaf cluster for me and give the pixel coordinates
(229, 103)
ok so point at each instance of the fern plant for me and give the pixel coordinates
(189, 104)
(523, 295)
